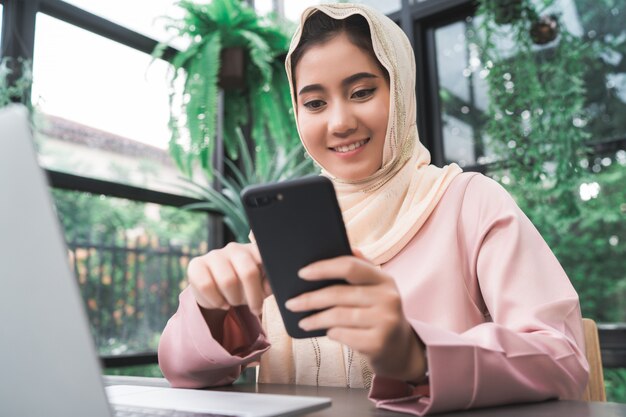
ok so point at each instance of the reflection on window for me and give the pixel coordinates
(143, 16)
(293, 9)
(463, 96)
(130, 260)
(463, 90)
(105, 107)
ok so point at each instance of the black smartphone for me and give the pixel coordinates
(295, 223)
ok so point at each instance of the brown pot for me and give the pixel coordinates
(232, 68)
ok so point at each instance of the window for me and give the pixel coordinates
(130, 260)
(104, 108)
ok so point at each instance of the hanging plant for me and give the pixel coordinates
(536, 115)
(230, 47)
(544, 30)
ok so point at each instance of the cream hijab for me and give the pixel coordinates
(382, 212)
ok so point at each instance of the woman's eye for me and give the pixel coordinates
(314, 104)
(363, 93)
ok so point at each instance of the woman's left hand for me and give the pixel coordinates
(366, 315)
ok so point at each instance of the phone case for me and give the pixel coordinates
(296, 223)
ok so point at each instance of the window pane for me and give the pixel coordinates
(463, 89)
(293, 9)
(463, 96)
(143, 16)
(1, 18)
(130, 260)
(105, 107)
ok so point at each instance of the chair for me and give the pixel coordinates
(595, 386)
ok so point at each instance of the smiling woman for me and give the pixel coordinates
(454, 301)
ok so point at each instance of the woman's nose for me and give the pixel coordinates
(342, 120)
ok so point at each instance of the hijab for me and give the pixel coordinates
(384, 211)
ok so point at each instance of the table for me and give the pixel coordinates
(354, 402)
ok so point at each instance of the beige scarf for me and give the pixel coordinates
(382, 212)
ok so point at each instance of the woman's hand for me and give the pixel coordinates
(230, 276)
(366, 316)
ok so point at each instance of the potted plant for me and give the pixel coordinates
(230, 47)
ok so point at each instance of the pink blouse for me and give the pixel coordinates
(497, 313)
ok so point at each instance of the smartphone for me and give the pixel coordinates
(295, 223)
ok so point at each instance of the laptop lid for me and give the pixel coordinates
(48, 363)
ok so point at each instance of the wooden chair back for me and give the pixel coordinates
(595, 388)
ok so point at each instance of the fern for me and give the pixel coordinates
(193, 110)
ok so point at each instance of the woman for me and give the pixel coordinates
(455, 302)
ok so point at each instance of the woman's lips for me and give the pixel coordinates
(351, 149)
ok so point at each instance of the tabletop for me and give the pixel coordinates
(351, 402)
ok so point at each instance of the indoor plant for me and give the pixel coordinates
(259, 97)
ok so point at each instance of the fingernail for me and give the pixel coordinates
(305, 272)
(291, 304)
(304, 324)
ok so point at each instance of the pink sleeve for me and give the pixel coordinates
(533, 349)
(190, 357)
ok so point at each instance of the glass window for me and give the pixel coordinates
(463, 89)
(463, 96)
(293, 9)
(104, 107)
(130, 260)
(143, 16)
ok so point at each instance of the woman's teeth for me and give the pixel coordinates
(351, 147)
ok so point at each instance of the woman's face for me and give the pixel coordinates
(343, 108)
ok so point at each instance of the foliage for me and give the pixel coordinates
(615, 384)
(210, 28)
(18, 90)
(539, 119)
(227, 201)
(130, 261)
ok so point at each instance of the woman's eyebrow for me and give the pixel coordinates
(356, 77)
(345, 82)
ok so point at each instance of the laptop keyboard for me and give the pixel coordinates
(128, 411)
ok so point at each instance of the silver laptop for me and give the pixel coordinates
(48, 362)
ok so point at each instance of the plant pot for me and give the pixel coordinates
(544, 30)
(506, 11)
(232, 68)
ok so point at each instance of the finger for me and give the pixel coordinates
(203, 285)
(350, 268)
(227, 280)
(335, 295)
(355, 338)
(250, 275)
(359, 318)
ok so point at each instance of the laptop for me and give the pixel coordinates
(48, 361)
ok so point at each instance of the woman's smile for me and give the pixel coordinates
(350, 149)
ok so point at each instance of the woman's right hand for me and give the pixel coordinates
(231, 276)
